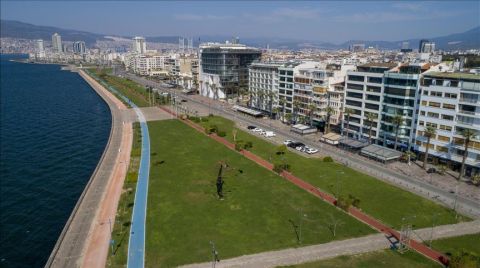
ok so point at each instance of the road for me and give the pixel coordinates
(442, 196)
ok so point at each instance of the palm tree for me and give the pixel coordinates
(288, 117)
(347, 113)
(282, 102)
(270, 96)
(468, 135)
(329, 111)
(311, 110)
(275, 111)
(397, 120)
(429, 133)
(370, 117)
(296, 105)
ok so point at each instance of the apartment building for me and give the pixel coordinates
(263, 86)
(450, 103)
(363, 95)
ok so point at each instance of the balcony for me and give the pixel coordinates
(467, 100)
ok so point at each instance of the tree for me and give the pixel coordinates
(281, 149)
(311, 110)
(348, 112)
(468, 135)
(234, 134)
(332, 224)
(282, 102)
(276, 110)
(370, 118)
(397, 120)
(270, 96)
(296, 105)
(329, 111)
(288, 117)
(429, 133)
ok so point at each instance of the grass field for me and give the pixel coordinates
(379, 199)
(469, 243)
(383, 258)
(121, 227)
(261, 211)
(130, 89)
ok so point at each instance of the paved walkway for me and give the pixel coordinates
(359, 215)
(333, 249)
(71, 245)
(98, 242)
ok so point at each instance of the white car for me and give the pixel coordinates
(311, 151)
(299, 148)
(287, 142)
(269, 134)
(263, 132)
(257, 130)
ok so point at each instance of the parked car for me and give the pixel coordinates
(311, 151)
(287, 142)
(184, 100)
(251, 127)
(269, 134)
(295, 144)
(431, 170)
(300, 148)
(263, 132)
(257, 130)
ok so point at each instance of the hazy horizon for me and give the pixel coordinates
(328, 21)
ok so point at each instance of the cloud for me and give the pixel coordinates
(195, 17)
(410, 6)
(282, 14)
(375, 17)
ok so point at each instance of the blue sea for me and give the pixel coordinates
(54, 128)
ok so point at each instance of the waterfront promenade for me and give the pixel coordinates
(84, 241)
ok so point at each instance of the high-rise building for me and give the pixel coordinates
(57, 43)
(450, 103)
(263, 85)
(139, 45)
(79, 47)
(406, 47)
(224, 69)
(426, 46)
(357, 47)
(39, 45)
(421, 44)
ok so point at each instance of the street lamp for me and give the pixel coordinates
(215, 258)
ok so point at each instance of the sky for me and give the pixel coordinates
(327, 21)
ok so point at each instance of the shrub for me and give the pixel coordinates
(279, 167)
(355, 201)
(214, 128)
(239, 145)
(221, 133)
(281, 149)
(248, 145)
(344, 203)
(204, 119)
(327, 159)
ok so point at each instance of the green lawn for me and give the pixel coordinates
(379, 199)
(258, 214)
(121, 227)
(130, 89)
(382, 258)
(469, 243)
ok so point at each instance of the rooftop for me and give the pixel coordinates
(456, 75)
(380, 64)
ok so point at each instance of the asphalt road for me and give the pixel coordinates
(417, 186)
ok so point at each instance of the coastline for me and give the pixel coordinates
(84, 224)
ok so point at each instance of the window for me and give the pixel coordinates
(450, 95)
(353, 103)
(435, 93)
(356, 78)
(442, 149)
(431, 125)
(422, 123)
(376, 80)
(431, 146)
(374, 89)
(373, 97)
(434, 104)
(422, 113)
(448, 106)
(371, 106)
(434, 115)
(454, 83)
(447, 117)
(425, 92)
(420, 133)
(424, 103)
(355, 95)
(354, 86)
(443, 138)
(446, 128)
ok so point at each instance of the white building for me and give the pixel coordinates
(139, 45)
(39, 49)
(57, 43)
(450, 103)
(263, 86)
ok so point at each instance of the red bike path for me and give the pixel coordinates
(355, 212)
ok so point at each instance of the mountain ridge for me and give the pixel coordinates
(469, 39)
